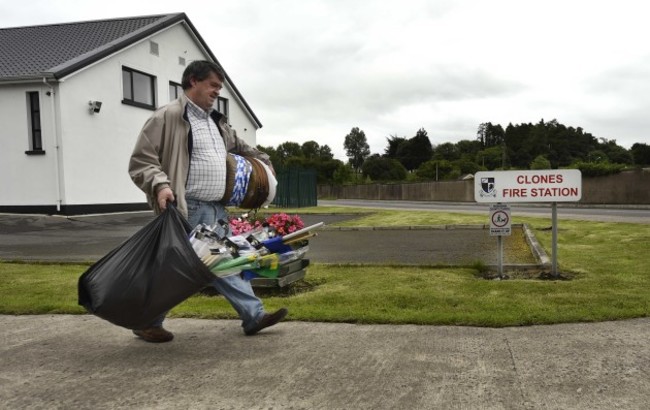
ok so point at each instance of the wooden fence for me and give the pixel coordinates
(629, 188)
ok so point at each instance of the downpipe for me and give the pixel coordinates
(57, 145)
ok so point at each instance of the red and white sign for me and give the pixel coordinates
(548, 185)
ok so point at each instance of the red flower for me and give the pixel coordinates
(285, 224)
(281, 223)
(239, 226)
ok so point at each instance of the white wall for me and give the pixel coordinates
(95, 147)
(25, 179)
(240, 120)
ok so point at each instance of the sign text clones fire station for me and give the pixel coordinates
(549, 185)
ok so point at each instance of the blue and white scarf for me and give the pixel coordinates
(242, 177)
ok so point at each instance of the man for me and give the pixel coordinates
(180, 156)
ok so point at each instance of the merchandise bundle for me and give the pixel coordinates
(261, 251)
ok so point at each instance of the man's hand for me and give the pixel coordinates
(165, 195)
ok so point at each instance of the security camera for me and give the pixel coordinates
(95, 106)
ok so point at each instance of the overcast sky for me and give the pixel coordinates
(314, 69)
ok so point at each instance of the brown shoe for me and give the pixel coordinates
(154, 335)
(267, 321)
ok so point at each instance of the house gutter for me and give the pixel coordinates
(57, 139)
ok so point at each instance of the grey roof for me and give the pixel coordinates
(31, 52)
(56, 50)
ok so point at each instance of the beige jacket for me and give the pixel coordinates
(161, 157)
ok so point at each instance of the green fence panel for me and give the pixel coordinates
(297, 188)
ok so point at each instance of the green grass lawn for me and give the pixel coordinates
(607, 261)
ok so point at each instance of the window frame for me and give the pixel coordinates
(178, 88)
(34, 123)
(226, 104)
(131, 100)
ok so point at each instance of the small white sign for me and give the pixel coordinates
(500, 224)
(548, 185)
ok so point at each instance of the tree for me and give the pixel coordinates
(468, 148)
(597, 156)
(615, 152)
(273, 155)
(343, 173)
(447, 151)
(325, 153)
(466, 166)
(313, 151)
(620, 155)
(490, 158)
(515, 139)
(383, 169)
(560, 144)
(326, 169)
(641, 154)
(520, 146)
(437, 170)
(421, 148)
(310, 149)
(287, 150)
(393, 145)
(415, 151)
(356, 148)
(309, 155)
(540, 162)
(521, 158)
(490, 135)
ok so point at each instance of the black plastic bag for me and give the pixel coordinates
(145, 276)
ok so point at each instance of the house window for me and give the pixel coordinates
(175, 90)
(222, 105)
(138, 88)
(34, 125)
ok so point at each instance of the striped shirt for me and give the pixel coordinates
(207, 177)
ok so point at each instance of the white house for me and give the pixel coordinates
(73, 98)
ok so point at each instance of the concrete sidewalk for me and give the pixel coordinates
(82, 362)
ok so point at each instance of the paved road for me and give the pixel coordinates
(632, 214)
(87, 238)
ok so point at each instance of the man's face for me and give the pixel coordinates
(203, 93)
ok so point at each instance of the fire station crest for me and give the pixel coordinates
(488, 187)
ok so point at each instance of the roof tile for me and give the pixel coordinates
(34, 50)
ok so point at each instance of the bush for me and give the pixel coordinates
(343, 174)
(597, 169)
(540, 162)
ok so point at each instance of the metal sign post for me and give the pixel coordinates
(554, 239)
(500, 225)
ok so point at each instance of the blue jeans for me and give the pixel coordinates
(234, 288)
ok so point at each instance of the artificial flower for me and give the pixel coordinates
(280, 223)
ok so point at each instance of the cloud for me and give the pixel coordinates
(313, 69)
